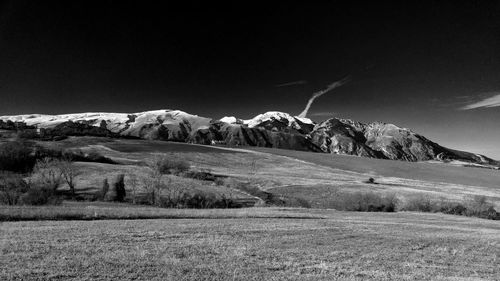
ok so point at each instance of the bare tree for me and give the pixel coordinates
(132, 182)
(48, 172)
(68, 172)
(154, 182)
(160, 166)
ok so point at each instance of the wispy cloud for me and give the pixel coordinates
(492, 101)
(293, 83)
(321, 114)
(316, 95)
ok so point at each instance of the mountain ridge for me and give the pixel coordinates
(271, 129)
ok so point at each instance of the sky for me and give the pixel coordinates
(431, 66)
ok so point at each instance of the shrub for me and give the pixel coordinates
(44, 152)
(219, 181)
(165, 165)
(120, 188)
(40, 195)
(370, 181)
(48, 173)
(12, 186)
(478, 206)
(132, 184)
(420, 203)
(28, 134)
(362, 202)
(162, 165)
(71, 155)
(17, 156)
(451, 208)
(200, 175)
(196, 200)
(104, 190)
(368, 202)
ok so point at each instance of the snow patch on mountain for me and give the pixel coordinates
(133, 124)
(231, 120)
(278, 116)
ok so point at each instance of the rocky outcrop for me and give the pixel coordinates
(382, 140)
(336, 136)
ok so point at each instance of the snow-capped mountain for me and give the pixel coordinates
(270, 129)
(275, 121)
(158, 124)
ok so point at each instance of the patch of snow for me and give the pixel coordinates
(115, 122)
(304, 120)
(275, 115)
(231, 120)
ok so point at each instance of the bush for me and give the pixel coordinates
(120, 188)
(369, 202)
(452, 208)
(479, 207)
(420, 203)
(48, 172)
(12, 187)
(219, 181)
(44, 152)
(28, 134)
(201, 175)
(370, 181)
(362, 202)
(165, 165)
(104, 190)
(197, 200)
(17, 157)
(71, 155)
(14, 191)
(40, 195)
(475, 207)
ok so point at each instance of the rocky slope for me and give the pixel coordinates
(271, 129)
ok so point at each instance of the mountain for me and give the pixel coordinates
(270, 129)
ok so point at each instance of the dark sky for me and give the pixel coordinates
(414, 64)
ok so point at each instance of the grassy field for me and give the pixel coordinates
(390, 168)
(332, 246)
(312, 176)
(121, 241)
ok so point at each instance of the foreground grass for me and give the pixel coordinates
(341, 246)
(118, 211)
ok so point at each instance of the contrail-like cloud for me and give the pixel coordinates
(493, 101)
(330, 87)
(300, 82)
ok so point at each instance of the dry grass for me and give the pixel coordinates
(247, 244)
(118, 211)
(342, 246)
(303, 174)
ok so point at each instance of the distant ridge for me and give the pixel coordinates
(271, 129)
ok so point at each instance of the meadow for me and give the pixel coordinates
(320, 245)
(95, 240)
